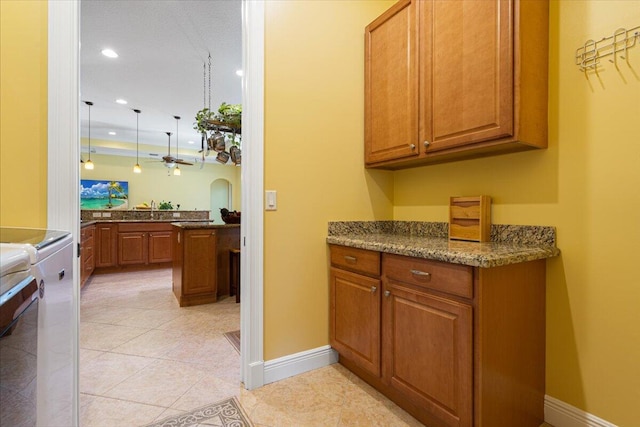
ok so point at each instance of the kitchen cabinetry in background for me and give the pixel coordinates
(454, 345)
(106, 252)
(446, 80)
(87, 256)
(144, 243)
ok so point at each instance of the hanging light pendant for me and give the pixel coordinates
(137, 168)
(177, 171)
(89, 164)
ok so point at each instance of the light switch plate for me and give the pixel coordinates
(176, 214)
(271, 203)
(106, 214)
(97, 214)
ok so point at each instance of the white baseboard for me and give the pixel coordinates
(561, 414)
(294, 364)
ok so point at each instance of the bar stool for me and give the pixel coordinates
(234, 273)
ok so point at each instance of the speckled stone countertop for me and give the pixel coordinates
(84, 223)
(509, 244)
(188, 225)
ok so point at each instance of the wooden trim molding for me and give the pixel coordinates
(561, 414)
(298, 363)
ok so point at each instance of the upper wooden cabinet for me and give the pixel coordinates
(452, 79)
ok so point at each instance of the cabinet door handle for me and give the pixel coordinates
(387, 294)
(350, 259)
(426, 144)
(412, 146)
(420, 273)
(373, 289)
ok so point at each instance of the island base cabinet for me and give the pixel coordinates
(194, 267)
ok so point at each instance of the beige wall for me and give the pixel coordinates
(23, 113)
(190, 189)
(587, 185)
(314, 124)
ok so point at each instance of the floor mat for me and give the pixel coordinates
(225, 413)
(234, 339)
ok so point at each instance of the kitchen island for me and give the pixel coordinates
(201, 260)
(453, 332)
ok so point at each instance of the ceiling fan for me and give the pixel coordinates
(169, 160)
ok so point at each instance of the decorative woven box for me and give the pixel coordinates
(470, 218)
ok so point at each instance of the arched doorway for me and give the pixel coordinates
(221, 197)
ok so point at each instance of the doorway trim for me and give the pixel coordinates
(252, 178)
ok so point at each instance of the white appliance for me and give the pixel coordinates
(51, 262)
(18, 339)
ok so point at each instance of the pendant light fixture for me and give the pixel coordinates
(177, 171)
(137, 168)
(89, 164)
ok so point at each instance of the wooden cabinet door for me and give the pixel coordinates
(427, 352)
(106, 244)
(160, 247)
(466, 80)
(199, 262)
(391, 85)
(355, 318)
(132, 248)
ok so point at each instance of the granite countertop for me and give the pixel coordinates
(85, 223)
(187, 225)
(509, 244)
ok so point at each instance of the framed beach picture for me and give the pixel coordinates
(97, 194)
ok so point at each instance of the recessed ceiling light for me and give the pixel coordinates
(191, 142)
(112, 133)
(121, 101)
(239, 73)
(109, 53)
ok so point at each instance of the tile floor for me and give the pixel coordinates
(143, 358)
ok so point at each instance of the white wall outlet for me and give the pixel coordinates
(272, 200)
(97, 214)
(176, 214)
(106, 214)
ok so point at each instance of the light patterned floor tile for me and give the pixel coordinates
(105, 412)
(161, 383)
(97, 336)
(102, 373)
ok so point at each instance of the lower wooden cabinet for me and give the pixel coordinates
(428, 351)
(144, 243)
(355, 318)
(87, 249)
(453, 345)
(106, 244)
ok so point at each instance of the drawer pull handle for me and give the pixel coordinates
(387, 294)
(350, 259)
(373, 289)
(420, 273)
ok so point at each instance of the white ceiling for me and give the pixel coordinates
(162, 47)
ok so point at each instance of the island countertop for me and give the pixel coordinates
(189, 225)
(509, 243)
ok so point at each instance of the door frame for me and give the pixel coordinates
(64, 165)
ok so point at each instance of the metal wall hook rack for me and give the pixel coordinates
(616, 46)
